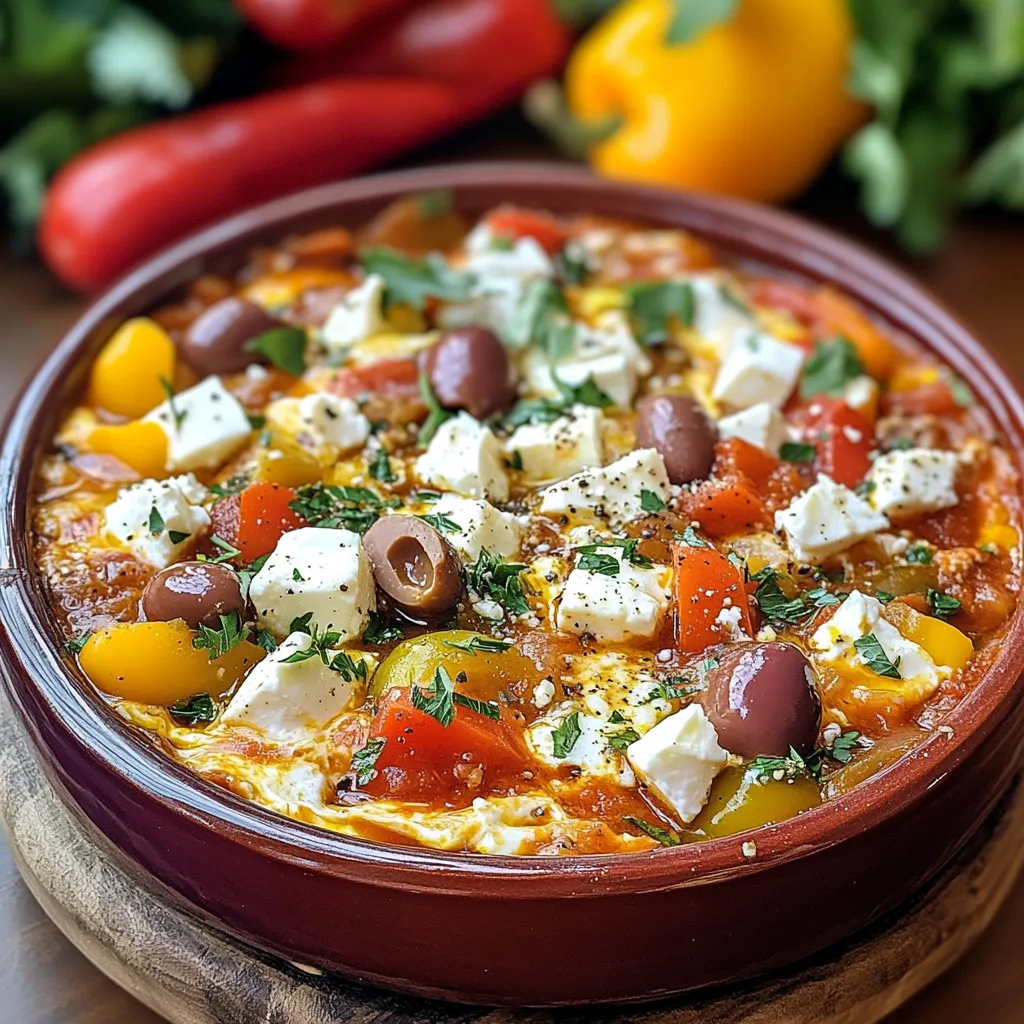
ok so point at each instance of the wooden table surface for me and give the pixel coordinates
(980, 274)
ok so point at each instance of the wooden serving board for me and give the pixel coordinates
(192, 974)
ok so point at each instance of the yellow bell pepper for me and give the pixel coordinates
(128, 374)
(943, 642)
(285, 286)
(754, 106)
(138, 444)
(155, 663)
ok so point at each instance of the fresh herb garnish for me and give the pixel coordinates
(246, 574)
(266, 640)
(599, 562)
(76, 643)
(177, 536)
(425, 497)
(791, 451)
(571, 264)
(380, 468)
(229, 550)
(380, 632)
(497, 580)
(256, 421)
(655, 832)
(411, 282)
(690, 539)
(843, 747)
(962, 394)
(841, 750)
(832, 364)
(344, 508)
(218, 642)
(532, 410)
(156, 522)
(480, 645)
(178, 415)
(285, 347)
(774, 604)
(365, 759)
(321, 646)
(200, 707)
(875, 657)
(230, 487)
(621, 740)
(434, 203)
(440, 522)
(919, 554)
(651, 502)
(440, 702)
(674, 688)
(297, 576)
(436, 413)
(654, 306)
(564, 737)
(884, 596)
(901, 444)
(514, 460)
(541, 317)
(586, 393)
(943, 605)
(630, 551)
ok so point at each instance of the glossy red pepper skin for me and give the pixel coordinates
(136, 193)
(311, 24)
(843, 439)
(489, 50)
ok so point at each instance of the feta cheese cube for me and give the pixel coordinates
(552, 451)
(826, 519)
(464, 456)
(591, 751)
(172, 505)
(205, 426)
(861, 393)
(916, 480)
(859, 615)
(627, 604)
(762, 425)
(325, 573)
(606, 353)
(359, 315)
(612, 494)
(715, 318)
(285, 701)
(482, 527)
(758, 368)
(679, 759)
(321, 422)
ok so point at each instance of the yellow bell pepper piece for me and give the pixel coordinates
(288, 465)
(138, 444)
(155, 663)
(127, 374)
(590, 303)
(944, 643)
(754, 106)
(1000, 535)
(285, 286)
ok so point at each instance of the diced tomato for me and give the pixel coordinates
(843, 439)
(739, 456)
(707, 584)
(514, 223)
(935, 399)
(784, 297)
(425, 761)
(263, 517)
(391, 378)
(726, 506)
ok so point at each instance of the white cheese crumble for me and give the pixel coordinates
(356, 317)
(553, 451)
(762, 425)
(758, 368)
(464, 456)
(322, 422)
(481, 527)
(906, 483)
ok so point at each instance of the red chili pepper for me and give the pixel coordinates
(130, 196)
(311, 24)
(489, 50)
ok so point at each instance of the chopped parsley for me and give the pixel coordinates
(411, 282)
(514, 460)
(380, 632)
(943, 606)
(340, 508)
(177, 536)
(884, 596)
(285, 347)
(901, 444)
(477, 644)
(200, 707)
(218, 642)
(571, 264)
(832, 365)
(792, 451)
(655, 832)
(841, 750)
(651, 502)
(440, 522)
(564, 737)
(230, 487)
(301, 624)
(246, 574)
(875, 657)
(630, 550)
(76, 643)
(674, 688)
(599, 562)
(690, 539)
(380, 468)
(621, 740)
(228, 551)
(266, 640)
(654, 306)
(440, 702)
(426, 497)
(542, 318)
(919, 554)
(497, 580)
(779, 609)
(587, 393)
(297, 576)
(178, 415)
(156, 522)
(321, 646)
(364, 761)
(436, 413)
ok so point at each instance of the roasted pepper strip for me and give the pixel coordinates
(708, 588)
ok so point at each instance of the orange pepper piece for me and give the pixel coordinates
(706, 585)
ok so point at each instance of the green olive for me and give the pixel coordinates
(414, 662)
(740, 802)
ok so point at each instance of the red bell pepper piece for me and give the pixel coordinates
(311, 24)
(128, 197)
(843, 439)
(706, 585)
(425, 761)
(263, 517)
(726, 506)
(390, 378)
(489, 51)
(514, 223)
(934, 399)
(739, 456)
